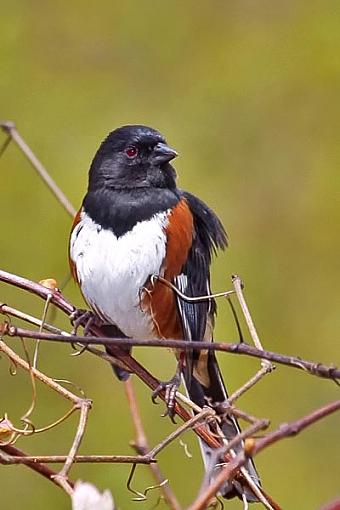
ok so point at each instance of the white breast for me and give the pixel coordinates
(112, 271)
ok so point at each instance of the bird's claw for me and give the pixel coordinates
(170, 389)
(85, 318)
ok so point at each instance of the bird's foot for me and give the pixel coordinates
(170, 388)
(85, 318)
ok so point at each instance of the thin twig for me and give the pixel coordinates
(5, 145)
(8, 452)
(293, 428)
(250, 383)
(255, 488)
(7, 310)
(240, 414)
(312, 367)
(140, 444)
(82, 403)
(132, 365)
(190, 299)
(200, 417)
(245, 434)
(78, 459)
(250, 323)
(10, 129)
(253, 447)
(41, 327)
(14, 312)
(103, 355)
(48, 381)
(85, 406)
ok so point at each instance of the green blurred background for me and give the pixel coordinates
(249, 95)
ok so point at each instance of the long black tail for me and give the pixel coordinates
(210, 390)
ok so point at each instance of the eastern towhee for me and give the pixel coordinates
(135, 224)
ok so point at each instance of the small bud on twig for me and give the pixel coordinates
(249, 445)
(49, 283)
(6, 429)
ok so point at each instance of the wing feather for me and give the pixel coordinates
(194, 280)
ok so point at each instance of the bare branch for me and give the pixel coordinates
(264, 370)
(116, 347)
(39, 375)
(250, 323)
(253, 447)
(312, 367)
(295, 427)
(9, 452)
(11, 130)
(78, 459)
(203, 415)
(18, 314)
(234, 466)
(78, 403)
(85, 406)
(140, 444)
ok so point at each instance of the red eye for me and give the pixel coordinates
(131, 151)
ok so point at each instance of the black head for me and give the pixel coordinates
(133, 157)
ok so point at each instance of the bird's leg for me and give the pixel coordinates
(85, 318)
(170, 388)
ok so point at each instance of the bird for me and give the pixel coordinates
(136, 238)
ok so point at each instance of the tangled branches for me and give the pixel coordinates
(42, 331)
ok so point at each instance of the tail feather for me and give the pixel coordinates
(213, 394)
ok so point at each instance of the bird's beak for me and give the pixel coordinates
(162, 153)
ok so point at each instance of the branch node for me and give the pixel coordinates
(7, 126)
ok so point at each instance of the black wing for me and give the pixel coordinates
(209, 235)
(194, 280)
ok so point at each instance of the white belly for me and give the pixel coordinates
(112, 271)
